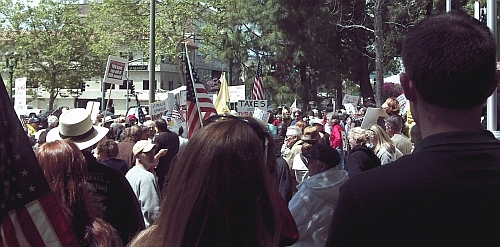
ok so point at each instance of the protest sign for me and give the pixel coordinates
(247, 107)
(158, 109)
(115, 69)
(261, 115)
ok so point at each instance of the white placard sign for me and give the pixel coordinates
(372, 115)
(182, 99)
(93, 109)
(350, 99)
(350, 108)
(20, 96)
(158, 109)
(247, 107)
(261, 115)
(115, 69)
(236, 93)
(170, 103)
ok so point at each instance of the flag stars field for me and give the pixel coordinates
(25, 173)
(32, 188)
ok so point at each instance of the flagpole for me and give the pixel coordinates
(192, 82)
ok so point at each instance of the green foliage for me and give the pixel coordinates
(54, 45)
(313, 43)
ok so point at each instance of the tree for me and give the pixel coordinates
(54, 43)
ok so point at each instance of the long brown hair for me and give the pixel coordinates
(220, 191)
(65, 169)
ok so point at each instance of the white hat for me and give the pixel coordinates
(76, 125)
(52, 119)
(318, 121)
(108, 119)
(143, 146)
(293, 131)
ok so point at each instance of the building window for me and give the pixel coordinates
(145, 84)
(170, 85)
(109, 86)
(124, 84)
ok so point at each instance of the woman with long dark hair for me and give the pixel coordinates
(65, 169)
(221, 190)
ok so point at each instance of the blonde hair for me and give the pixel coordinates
(383, 139)
(391, 106)
(361, 136)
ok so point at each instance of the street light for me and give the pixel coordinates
(11, 61)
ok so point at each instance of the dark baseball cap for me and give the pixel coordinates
(324, 153)
(34, 120)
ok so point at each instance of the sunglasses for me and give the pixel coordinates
(262, 132)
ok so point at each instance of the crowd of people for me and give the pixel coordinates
(300, 179)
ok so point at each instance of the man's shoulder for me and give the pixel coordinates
(400, 137)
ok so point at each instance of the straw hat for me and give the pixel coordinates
(76, 125)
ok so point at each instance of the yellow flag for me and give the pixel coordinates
(222, 102)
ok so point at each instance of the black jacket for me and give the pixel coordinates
(361, 158)
(114, 198)
(445, 193)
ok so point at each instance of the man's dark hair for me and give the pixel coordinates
(108, 146)
(451, 58)
(161, 125)
(395, 122)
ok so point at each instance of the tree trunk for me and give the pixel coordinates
(363, 72)
(306, 86)
(379, 52)
(52, 98)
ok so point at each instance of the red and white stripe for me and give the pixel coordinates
(206, 106)
(38, 223)
(258, 89)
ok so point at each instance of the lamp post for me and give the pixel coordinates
(11, 62)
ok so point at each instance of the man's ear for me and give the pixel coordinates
(496, 85)
(408, 87)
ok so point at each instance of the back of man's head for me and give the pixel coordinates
(135, 133)
(161, 125)
(451, 59)
(394, 123)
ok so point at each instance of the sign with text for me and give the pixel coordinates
(115, 69)
(137, 67)
(247, 107)
(158, 109)
(20, 96)
(261, 115)
(350, 99)
(236, 93)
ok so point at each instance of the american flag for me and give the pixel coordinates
(258, 85)
(30, 213)
(196, 92)
(178, 112)
(141, 117)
